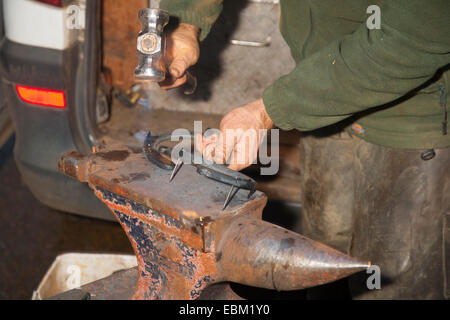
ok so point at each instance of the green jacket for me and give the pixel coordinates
(388, 85)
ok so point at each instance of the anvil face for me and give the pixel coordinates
(190, 196)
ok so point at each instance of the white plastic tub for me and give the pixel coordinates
(72, 270)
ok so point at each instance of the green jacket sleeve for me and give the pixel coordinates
(200, 13)
(365, 69)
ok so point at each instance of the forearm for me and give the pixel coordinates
(366, 69)
(200, 13)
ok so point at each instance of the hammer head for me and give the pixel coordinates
(151, 45)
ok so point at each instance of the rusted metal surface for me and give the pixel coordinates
(169, 268)
(183, 240)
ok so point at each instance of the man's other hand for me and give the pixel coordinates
(241, 133)
(182, 51)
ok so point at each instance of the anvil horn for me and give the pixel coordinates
(260, 254)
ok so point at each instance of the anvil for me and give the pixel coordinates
(183, 240)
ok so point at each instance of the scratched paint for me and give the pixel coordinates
(168, 268)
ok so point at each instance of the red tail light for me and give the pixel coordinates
(42, 97)
(56, 3)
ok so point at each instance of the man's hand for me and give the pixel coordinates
(182, 51)
(241, 133)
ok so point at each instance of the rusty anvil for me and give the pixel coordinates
(183, 240)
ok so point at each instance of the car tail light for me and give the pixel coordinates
(56, 3)
(42, 97)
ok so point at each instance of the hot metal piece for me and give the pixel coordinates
(183, 240)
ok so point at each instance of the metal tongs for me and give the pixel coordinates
(162, 157)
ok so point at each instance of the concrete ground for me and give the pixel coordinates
(33, 235)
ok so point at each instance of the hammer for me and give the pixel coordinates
(151, 47)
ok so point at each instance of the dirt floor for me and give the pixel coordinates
(32, 235)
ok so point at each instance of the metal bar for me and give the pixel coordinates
(247, 43)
